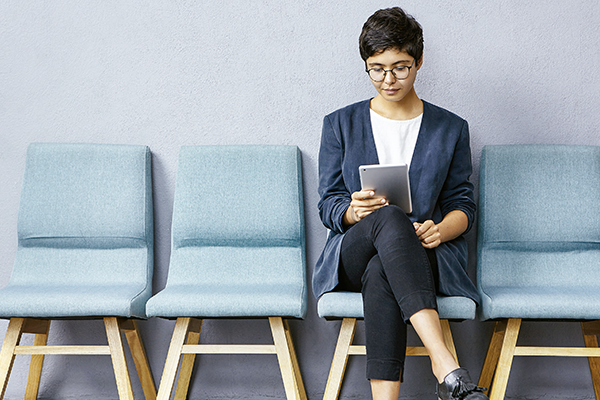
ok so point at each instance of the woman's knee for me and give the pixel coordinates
(394, 212)
(395, 216)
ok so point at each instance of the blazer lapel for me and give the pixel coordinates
(421, 153)
(370, 152)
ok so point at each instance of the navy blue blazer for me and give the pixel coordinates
(439, 179)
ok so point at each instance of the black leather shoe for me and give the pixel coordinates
(458, 385)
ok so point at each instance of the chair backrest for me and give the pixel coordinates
(85, 216)
(539, 216)
(229, 198)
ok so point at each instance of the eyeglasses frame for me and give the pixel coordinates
(385, 72)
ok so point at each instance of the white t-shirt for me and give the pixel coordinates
(395, 141)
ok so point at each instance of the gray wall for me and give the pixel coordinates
(173, 73)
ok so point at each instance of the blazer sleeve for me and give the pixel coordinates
(457, 191)
(334, 195)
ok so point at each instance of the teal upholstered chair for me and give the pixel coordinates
(348, 307)
(85, 250)
(238, 251)
(538, 249)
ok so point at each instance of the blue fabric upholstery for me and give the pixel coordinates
(238, 247)
(335, 305)
(85, 233)
(539, 232)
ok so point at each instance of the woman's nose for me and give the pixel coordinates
(389, 77)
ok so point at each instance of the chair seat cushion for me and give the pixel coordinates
(206, 301)
(335, 305)
(541, 302)
(68, 301)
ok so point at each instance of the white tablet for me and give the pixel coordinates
(389, 181)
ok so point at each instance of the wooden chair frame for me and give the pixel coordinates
(190, 328)
(40, 328)
(345, 348)
(503, 348)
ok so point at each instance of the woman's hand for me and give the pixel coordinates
(452, 226)
(363, 203)
(428, 233)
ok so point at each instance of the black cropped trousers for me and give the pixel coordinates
(383, 258)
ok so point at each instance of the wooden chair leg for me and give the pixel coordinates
(505, 360)
(298, 382)
(591, 330)
(37, 361)
(295, 364)
(138, 353)
(117, 354)
(340, 359)
(448, 337)
(187, 362)
(173, 356)
(492, 356)
(288, 363)
(7, 354)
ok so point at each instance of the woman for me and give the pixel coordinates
(397, 261)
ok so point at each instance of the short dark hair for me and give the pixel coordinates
(391, 28)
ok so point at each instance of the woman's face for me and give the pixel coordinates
(392, 88)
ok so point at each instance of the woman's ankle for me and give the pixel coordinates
(443, 367)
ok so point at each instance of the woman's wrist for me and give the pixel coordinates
(453, 225)
(349, 217)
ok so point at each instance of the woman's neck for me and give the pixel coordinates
(408, 108)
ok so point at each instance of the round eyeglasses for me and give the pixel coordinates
(400, 72)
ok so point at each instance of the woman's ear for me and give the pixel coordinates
(420, 62)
